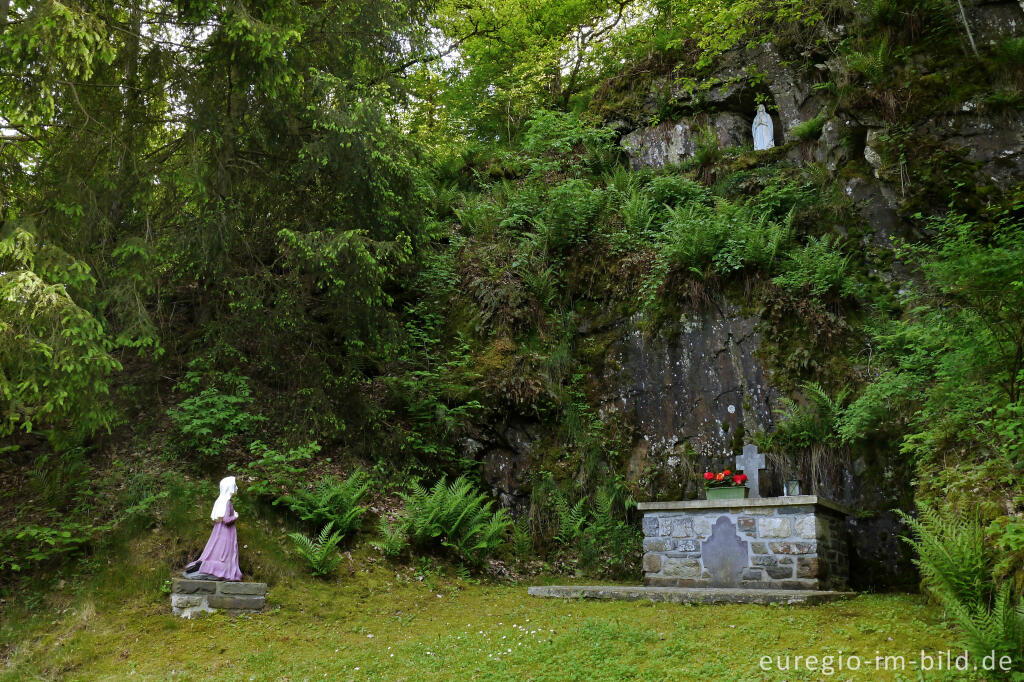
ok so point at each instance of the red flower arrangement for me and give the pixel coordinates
(723, 479)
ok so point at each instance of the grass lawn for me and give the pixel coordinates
(383, 623)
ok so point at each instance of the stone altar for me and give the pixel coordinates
(778, 543)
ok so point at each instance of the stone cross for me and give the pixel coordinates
(751, 462)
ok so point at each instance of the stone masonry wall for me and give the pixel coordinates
(763, 547)
(191, 598)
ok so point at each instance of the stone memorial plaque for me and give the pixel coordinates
(724, 554)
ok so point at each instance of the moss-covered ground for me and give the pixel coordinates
(110, 619)
(386, 622)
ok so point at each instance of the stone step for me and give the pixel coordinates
(190, 598)
(682, 595)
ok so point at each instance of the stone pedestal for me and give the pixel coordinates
(190, 598)
(779, 543)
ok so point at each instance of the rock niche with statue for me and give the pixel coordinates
(738, 539)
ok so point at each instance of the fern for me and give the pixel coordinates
(818, 269)
(394, 537)
(331, 501)
(522, 538)
(570, 519)
(457, 517)
(952, 556)
(320, 553)
(957, 569)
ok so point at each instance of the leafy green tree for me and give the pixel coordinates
(958, 354)
(55, 359)
(232, 177)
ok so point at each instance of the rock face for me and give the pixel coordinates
(691, 391)
(670, 143)
(992, 21)
(995, 143)
(505, 453)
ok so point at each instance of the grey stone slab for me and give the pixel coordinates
(790, 500)
(650, 525)
(794, 547)
(808, 567)
(192, 611)
(799, 584)
(687, 546)
(682, 528)
(774, 527)
(656, 581)
(680, 568)
(186, 586)
(810, 528)
(779, 572)
(242, 588)
(724, 554)
(682, 595)
(240, 602)
(658, 544)
(181, 601)
(799, 509)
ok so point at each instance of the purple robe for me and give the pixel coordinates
(220, 558)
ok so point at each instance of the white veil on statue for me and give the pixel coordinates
(227, 489)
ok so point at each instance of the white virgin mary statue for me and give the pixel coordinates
(764, 135)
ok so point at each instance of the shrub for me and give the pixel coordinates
(321, 553)
(611, 544)
(478, 215)
(638, 213)
(675, 190)
(818, 269)
(273, 471)
(332, 501)
(558, 133)
(457, 517)
(957, 568)
(215, 414)
(34, 544)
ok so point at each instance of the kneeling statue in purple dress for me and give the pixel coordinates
(219, 561)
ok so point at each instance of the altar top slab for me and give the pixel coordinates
(790, 500)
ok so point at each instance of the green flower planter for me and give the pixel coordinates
(730, 492)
